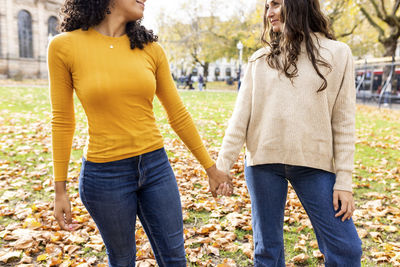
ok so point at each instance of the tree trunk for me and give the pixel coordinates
(205, 69)
(390, 45)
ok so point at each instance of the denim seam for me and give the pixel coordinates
(151, 234)
(316, 231)
(83, 196)
(139, 167)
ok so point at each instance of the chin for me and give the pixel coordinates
(276, 29)
(136, 17)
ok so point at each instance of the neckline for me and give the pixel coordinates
(106, 37)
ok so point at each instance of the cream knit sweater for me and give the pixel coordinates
(287, 123)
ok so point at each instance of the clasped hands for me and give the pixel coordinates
(220, 182)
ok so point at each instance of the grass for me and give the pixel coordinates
(25, 121)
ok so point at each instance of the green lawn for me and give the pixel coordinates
(26, 188)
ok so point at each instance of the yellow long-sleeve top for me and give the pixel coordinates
(116, 86)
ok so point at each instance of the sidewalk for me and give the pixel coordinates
(394, 106)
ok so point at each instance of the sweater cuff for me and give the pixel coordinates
(222, 165)
(60, 170)
(203, 157)
(343, 181)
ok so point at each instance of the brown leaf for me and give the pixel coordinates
(314, 244)
(302, 258)
(318, 254)
(7, 256)
(71, 249)
(362, 233)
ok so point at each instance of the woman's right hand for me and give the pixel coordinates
(62, 207)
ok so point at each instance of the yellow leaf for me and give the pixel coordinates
(34, 208)
(42, 257)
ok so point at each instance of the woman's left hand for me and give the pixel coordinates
(347, 205)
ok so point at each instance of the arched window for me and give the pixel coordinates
(52, 24)
(25, 34)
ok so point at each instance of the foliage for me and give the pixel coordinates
(384, 17)
(217, 232)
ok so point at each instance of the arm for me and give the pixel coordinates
(343, 128)
(182, 122)
(178, 116)
(63, 126)
(343, 131)
(235, 134)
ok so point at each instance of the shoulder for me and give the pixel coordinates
(260, 53)
(154, 48)
(337, 48)
(59, 40)
(64, 40)
(156, 52)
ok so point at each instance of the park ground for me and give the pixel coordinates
(217, 232)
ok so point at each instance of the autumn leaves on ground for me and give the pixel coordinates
(217, 233)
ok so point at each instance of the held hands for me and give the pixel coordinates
(220, 182)
(347, 204)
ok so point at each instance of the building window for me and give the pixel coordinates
(25, 34)
(52, 24)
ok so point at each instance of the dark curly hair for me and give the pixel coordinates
(83, 14)
(301, 19)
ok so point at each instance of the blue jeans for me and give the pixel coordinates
(115, 192)
(268, 185)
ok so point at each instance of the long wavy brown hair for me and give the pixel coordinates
(83, 14)
(301, 19)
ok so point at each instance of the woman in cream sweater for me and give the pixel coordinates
(296, 113)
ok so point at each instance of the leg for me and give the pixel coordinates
(337, 240)
(268, 190)
(108, 192)
(159, 209)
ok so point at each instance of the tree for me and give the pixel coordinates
(341, 15)
(191, 39)
(384, 17)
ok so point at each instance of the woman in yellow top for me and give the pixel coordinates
(115, 67)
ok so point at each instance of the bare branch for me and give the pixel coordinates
(348, 33)
(378, 12)
(396, 7)
(371, 21)
(383, 7)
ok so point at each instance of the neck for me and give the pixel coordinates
(113, 25)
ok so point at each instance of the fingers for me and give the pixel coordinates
(62, 213)
(213, 190)
(60, 219)
(342, 211)
(226, 189)
(348, 213)
(68, 216)
(213, 193)
(335, 201)
(347, 206)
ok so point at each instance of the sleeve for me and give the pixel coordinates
(178, 116)
(236, 132)
(62, 106)
(343, 127)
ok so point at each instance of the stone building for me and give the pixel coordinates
(25, 28)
